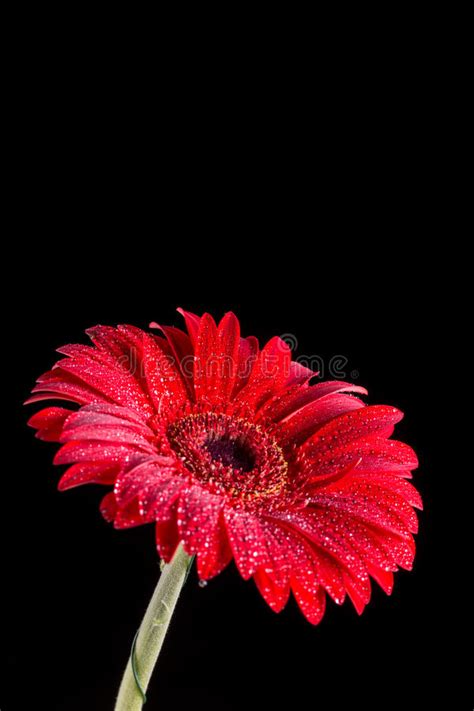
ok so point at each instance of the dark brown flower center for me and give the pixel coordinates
(235, 453)
(230, 456)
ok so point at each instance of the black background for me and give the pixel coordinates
(342, 243)
(76, 589)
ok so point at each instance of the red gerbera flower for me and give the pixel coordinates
(229, 449)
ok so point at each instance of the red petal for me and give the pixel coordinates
(115, 383)
(247, 541)
(376, 455)
(383, 577)
(322, 569)
(322, 463)
(80, 350)
(133, 482)
(216, 359)
(330, 540)
(217, 353)
(312, 603)
(39, 397)
(248, 354)
(275, 596)
(107, 433)
(159, 499)
(360, 536)
(359, 596)
(310, 570)
(370, 512)
(285, 404)
(304, 423)
(368, 494)
(88, 473)
(109, 340)
(318, 477)
(228, 342)
(268, 375)
(201, 530)
(205, 375)
(49, 423)
(59, 385)
(163, 379)
(393, 482)
(108, 507)
(352, 426)
(192, 324)
(305, 583)
(183, 352)
(130, 516)
(167, 536)
(401, 551)
(216, 554)
(91, 450)
(299, 374)
(99, 414)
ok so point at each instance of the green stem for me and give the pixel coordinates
(151, 634)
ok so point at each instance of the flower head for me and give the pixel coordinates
(229, 449)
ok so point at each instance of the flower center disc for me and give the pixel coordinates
(230, 456)
(234, 453)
